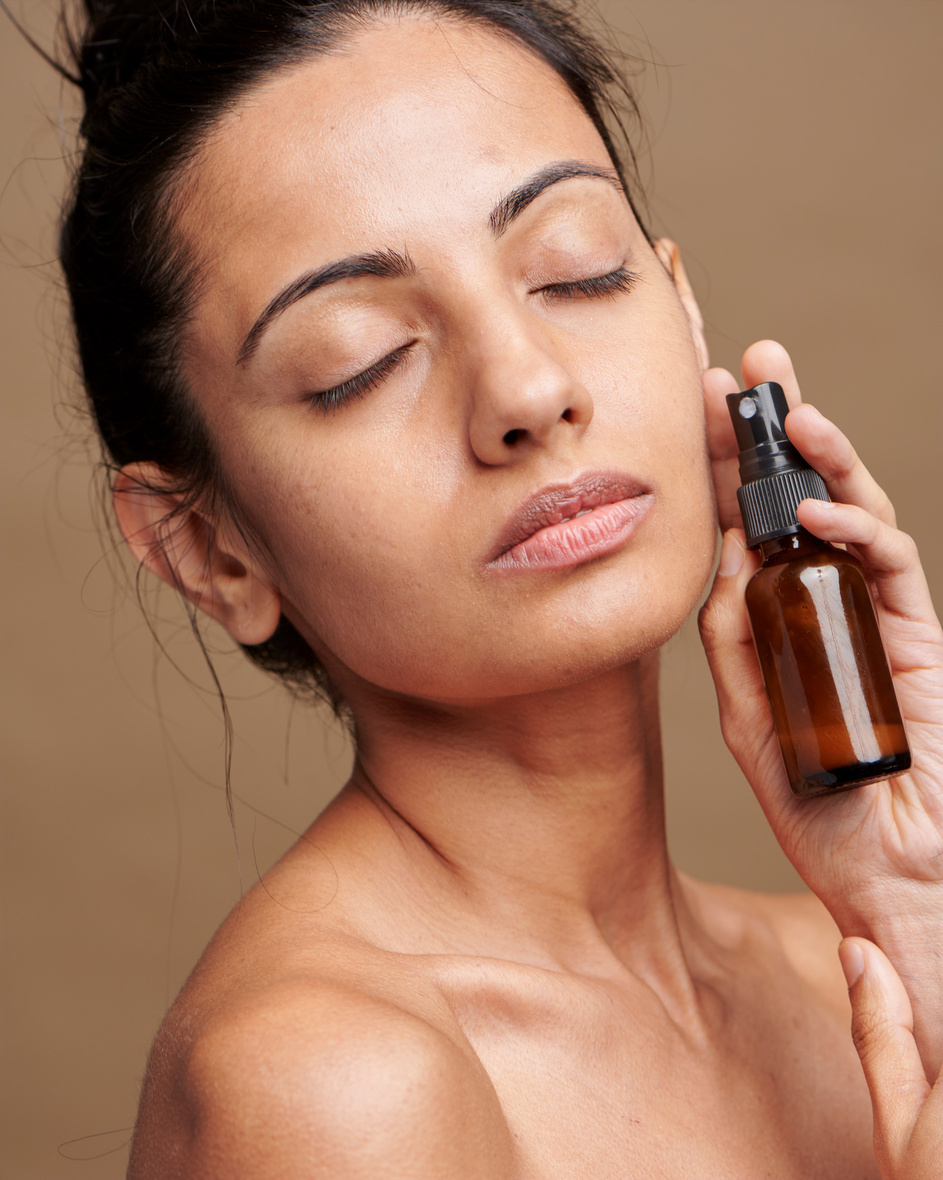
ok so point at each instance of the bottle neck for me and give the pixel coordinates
(792, 545)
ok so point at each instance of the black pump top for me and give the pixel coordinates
(775, 478)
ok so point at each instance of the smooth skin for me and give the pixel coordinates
(479, 961)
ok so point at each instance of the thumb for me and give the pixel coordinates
(882, 1028)
(728, 644)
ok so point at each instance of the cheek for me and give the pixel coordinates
(690, 516)
(664, 408)
(654, 405)
(410, 617)
(365, 574)
(373, 545)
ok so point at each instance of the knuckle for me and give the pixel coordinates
(868, 1031)
(885, 508)
(709, 623)
(908, 548)
(847, 465)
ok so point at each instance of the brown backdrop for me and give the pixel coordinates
(797, 145)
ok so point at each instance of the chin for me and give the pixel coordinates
(574, 653)
(609, 615)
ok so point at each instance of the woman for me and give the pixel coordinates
(442, 419)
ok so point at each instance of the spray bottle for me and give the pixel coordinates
(820, 652)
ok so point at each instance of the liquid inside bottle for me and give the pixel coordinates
(829, 686)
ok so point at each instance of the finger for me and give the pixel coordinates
(882, 1028)
(721, 440)
(722, 445)
(728, 643)
(768, 361)
(826, 449)
(724, 624)
(890, 556)
(764, 361)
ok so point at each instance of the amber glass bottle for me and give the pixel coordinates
(829, 687)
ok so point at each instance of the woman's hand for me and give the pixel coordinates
(908, 1113)
(874, 855)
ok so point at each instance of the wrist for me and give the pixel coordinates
(905, 920)
(903, 912)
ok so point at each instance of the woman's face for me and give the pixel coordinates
(429, 328)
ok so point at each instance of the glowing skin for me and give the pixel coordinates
(380, 517)
(476, 480)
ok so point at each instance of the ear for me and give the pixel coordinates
(208, 563)
(669, 256)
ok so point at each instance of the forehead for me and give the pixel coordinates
(410, 130)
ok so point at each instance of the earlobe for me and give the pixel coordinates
(669, 256)
(210, 565)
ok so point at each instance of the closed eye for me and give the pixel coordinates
(594, 287)
(355, 387)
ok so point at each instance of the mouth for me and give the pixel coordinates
(568, 524)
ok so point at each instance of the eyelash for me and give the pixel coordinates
(597, 286)
(356, 387)
(594, 287)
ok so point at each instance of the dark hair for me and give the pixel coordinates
(156, 75)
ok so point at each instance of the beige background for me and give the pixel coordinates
(798, 153)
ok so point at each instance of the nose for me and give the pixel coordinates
(523, 397)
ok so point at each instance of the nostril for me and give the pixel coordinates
(512, 437)
(566, 416)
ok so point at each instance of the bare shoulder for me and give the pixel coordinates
(799, 925)
(809, 936)
(306, 1077)
(299, 1049)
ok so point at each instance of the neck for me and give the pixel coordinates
(544, 813)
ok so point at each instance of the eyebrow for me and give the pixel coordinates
(514, 204)
(381, 263)
(392, 264)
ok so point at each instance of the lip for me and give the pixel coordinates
(546, 532)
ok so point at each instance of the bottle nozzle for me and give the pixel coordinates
(774, 476)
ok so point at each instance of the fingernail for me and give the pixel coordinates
(731, 556)
(852, 962)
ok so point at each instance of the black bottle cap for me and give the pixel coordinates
(775, 478)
